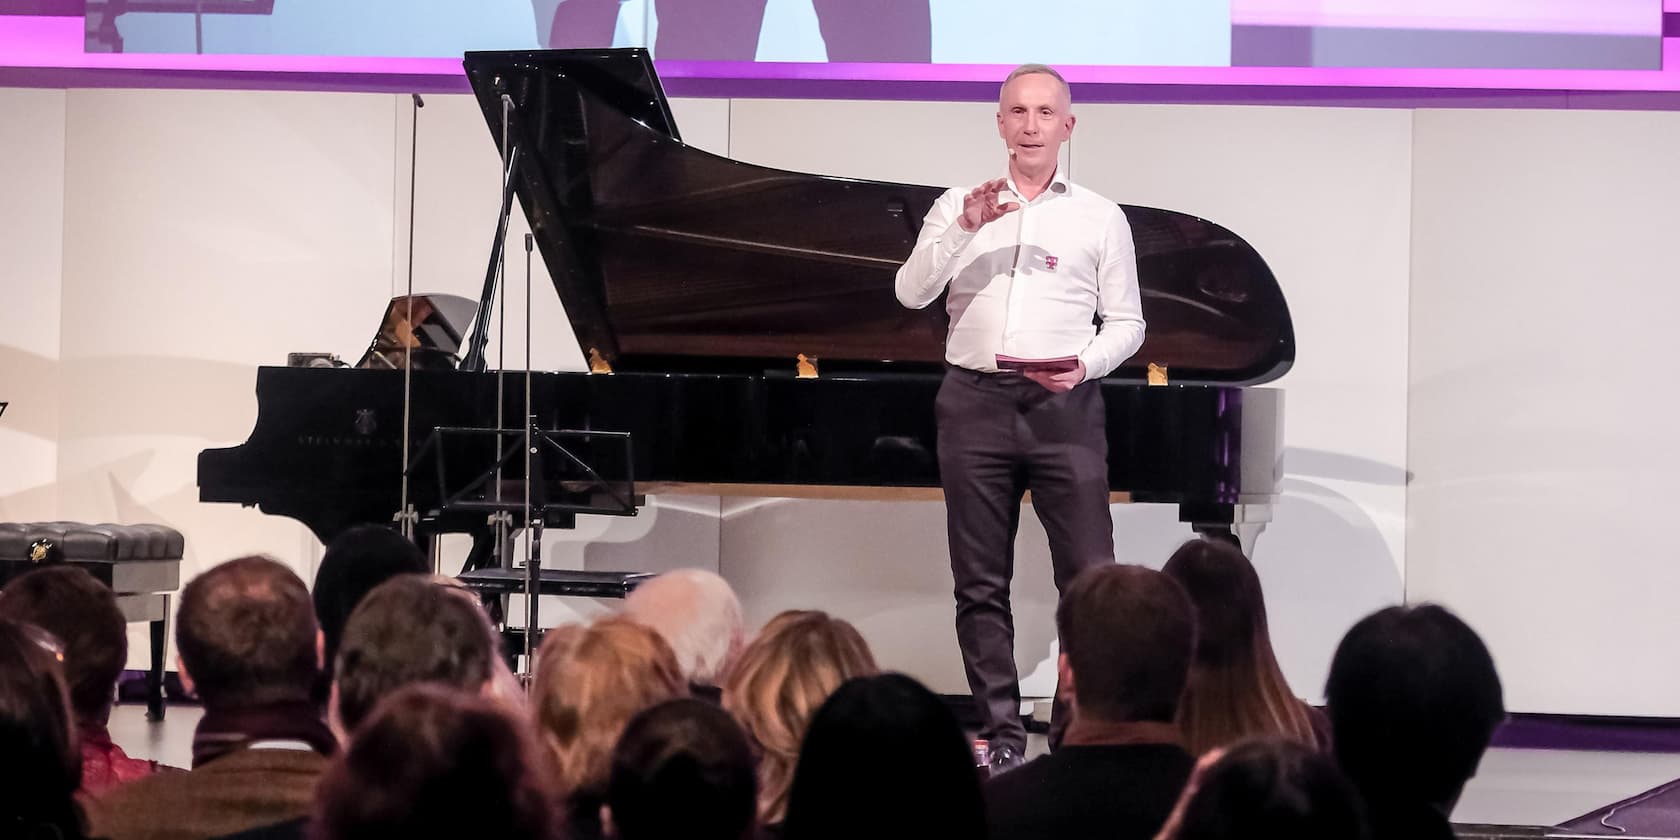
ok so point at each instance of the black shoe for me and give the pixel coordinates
(1005, 759)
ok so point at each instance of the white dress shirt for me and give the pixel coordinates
(1056, 277)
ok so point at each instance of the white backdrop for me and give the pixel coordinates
(205, 233)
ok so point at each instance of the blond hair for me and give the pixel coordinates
(589, 683)
(777, 684)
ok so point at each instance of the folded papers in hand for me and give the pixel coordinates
(1060, 364)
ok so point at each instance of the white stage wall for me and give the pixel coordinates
(31, 274)
(205, 233)
(1544, 293)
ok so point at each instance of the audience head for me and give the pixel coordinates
(697, 614)
(778, 683)
(356, 561)
(1235, 689)
(82, 614)
(435, 762)
(1268, 787)
(588, 685)
(884, 758)
(246, 634)
(412, 629)
(1127, 636)
(682, 769)
(42, 765)
(1413, 699)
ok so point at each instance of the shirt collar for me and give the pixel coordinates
(1059, 184)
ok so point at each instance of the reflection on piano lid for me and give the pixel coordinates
(701, 280)
(427, 328)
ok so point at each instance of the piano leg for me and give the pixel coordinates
(1239, 525)
(154, 677)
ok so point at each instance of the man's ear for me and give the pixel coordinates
(320, 650)
(1064, 677)
(186, 678)
(334, 722)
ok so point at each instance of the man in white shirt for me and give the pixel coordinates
(1038, 269)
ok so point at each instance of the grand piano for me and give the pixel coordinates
(706, 293)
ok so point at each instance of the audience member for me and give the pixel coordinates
(355, 562)
(1413, 699)
(588, 685)
(884, 759)
(1267, 787)
(781, 679)
(698, 615)
(681, 769)
(1127, 635)
(40, 769)
(1236, 689)
(249, 645)
(82, 613)
(411, 629)
(436, 763)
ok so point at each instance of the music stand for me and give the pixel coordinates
(553, 477)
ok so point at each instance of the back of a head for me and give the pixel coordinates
(682, 769)
(82, 613)
(1236, 689)
(411, 629)
(1129, 634)
(1271, 787)
(1223, 586)
(355, 562)
(884, 758)
(434, 762)
(42, 767)
(587, 687)
(246, 633)
(1413, 698)
(697, 614)
(782, 677)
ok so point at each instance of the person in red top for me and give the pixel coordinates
(82, 614)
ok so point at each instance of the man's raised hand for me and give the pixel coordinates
(981, 205)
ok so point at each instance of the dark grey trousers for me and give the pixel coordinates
(1001, 435)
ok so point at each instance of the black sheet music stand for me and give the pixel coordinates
(552, 483)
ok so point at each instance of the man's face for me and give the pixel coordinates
(1034, 119)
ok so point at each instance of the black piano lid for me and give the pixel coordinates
(669, 258)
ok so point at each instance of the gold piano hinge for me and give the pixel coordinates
(1157, 374)
(807, 366)
(597, 364)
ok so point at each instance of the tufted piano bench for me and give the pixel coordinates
(141, 564)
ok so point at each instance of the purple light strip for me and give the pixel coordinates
(55, 43)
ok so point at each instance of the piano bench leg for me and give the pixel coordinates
(154, 677)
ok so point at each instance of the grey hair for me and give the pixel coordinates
(697, 614)
(1041, 69)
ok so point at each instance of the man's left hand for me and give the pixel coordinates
(1058, 382)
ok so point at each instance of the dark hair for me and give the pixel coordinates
(246, 633)
(42, 767)
(884, 758)
(82, 613)
(1413, 699)
(356, 561)
(682, 769)
(435, 762)
(1235, 689)
(1272, 787)
(1128, 633)
(411, 629)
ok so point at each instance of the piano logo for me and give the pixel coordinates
(1050, 262)
(365, 423)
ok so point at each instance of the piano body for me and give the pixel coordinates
(701, 282)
